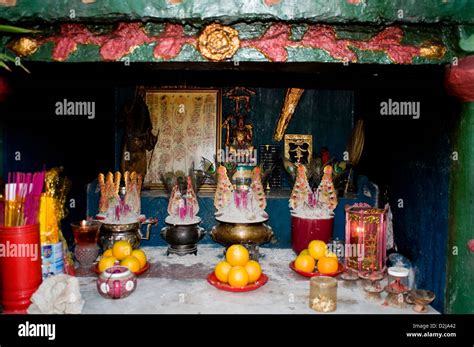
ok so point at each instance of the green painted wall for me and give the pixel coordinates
(329, 11)
(460, 281)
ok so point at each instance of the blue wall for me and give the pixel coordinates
(412, 158)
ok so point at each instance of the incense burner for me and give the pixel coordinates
(228, 234)
(110, 233)
(182, 239)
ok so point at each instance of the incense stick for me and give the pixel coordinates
(22, 195)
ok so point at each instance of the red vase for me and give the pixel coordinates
(20, 266)
(305, 230)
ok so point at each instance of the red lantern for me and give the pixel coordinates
(366, 242)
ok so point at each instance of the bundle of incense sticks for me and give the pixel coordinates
(22, 198)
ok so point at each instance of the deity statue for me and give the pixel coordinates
(238, 136)
(138, 137)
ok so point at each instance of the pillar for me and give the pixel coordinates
(460, 270)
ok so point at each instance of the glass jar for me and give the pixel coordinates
(323, 293)
(397, 280)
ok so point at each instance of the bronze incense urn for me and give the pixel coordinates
(182, 239)
(110, 233)
(228, 234)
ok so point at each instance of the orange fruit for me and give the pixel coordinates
(327, 265)
(253, 270)
(238, 277)
(237, 255)
(121, 249)
(304, 252)
(108, 253)
(317, 249)
(141, 256)
(132, 263)
(106, 262)
(222, 270)
(330, 255)
(305, 263)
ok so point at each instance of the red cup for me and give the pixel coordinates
(305, 230)
(20, 266)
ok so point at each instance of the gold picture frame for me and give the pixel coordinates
(297, 145)
(188, 124)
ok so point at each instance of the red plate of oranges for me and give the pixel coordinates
(144, 269)
(237, 273)
(340, 269)
(212, 279)
(317, 260)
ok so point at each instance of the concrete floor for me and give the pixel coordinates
(178, 285)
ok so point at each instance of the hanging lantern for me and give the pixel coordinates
(366, 242)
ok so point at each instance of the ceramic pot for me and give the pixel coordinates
(116, 282)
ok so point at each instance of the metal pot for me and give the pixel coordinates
(229, 234)
(182, 239)
(110, 233)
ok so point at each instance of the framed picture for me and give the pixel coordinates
(188, 125)
(299, 148)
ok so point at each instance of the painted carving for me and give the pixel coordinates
(274, 42)
(24, 46)
(470, 245)
(127, 37)
(432, 50)
(218, 42)
(171, 41)
(7, 2)
(460, 79)
(271, 2)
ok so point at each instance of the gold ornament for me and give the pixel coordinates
(356, 142)
(218, 42)
(24, 46)
(432, 50)
(292, 98)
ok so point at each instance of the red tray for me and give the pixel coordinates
(144, 269)
(212, 279)
(340, 269)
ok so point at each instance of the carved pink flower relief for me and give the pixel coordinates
(272, 2)
(470, 244)
(7, 2)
